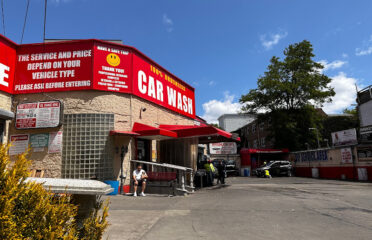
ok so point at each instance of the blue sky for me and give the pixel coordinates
(219, 47)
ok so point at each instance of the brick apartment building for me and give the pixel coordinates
(255, 135)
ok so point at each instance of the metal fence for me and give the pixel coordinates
(183, 177)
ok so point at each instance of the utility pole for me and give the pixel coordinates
(317, 135)
(45, 14)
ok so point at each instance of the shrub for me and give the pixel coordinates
(28, 211)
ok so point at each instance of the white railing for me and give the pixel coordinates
(185, 175)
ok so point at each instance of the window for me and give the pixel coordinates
(262, 125)
(253, 128)
(86, 152)
(262, 142)
(255, 143)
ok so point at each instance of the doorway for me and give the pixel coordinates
(144, 151)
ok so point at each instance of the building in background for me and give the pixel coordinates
(349, 157)
(232, 122)
(255, 135)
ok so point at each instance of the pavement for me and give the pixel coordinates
(249, 208)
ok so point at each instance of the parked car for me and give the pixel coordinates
(276, 168)
(230, 166)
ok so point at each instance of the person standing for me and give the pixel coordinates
(140, 178)
(209, 168)
(221, 168)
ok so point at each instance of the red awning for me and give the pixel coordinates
(263, 150)
(213, 134)
(123, 133)
(150, 132)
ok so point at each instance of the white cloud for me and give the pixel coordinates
(362, 52)
(211, 83)
(366, 50)
(332, 65)
(273, 39)
(168, 23)
(344, 55)
(345, 93)
(215, 108)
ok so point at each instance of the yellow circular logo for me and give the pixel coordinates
(113, 59)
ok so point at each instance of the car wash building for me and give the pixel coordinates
(89, 107)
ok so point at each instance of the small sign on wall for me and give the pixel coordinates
(346, 155)
(19, 144)
(55, 142)
(39, 141)
(38, 115)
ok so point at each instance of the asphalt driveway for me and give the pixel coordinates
(249, 208)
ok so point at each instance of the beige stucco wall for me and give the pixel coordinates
(5, 101)
(126, 109)
(334, 159)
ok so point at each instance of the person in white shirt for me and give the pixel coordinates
(139, 177)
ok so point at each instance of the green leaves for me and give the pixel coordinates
(288, 92)
(293, 83)
(28, 211)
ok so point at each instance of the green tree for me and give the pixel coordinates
(287, 91)
(28, 211)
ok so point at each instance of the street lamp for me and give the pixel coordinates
(327, 141)
(317, 135)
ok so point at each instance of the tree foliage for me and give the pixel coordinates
(288, 92)
(28, 211)
(293, 83)
(290, 128)
(338, 123)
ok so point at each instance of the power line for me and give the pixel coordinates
(45, 14)
(2, 13)
(24, 24)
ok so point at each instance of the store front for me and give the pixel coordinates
(89, 107)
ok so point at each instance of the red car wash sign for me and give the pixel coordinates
(38, 115)
(156, 85)
(91, 65)
(7, 65)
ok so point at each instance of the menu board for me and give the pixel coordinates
(38, 115)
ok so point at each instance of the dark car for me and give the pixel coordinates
(230, 166)
(276, 168)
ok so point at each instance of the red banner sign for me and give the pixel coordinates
(112, 68)
(53, 67)
(7, 66)
(158, 86)
(91, 64)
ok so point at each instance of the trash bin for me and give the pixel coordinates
(114, 185)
